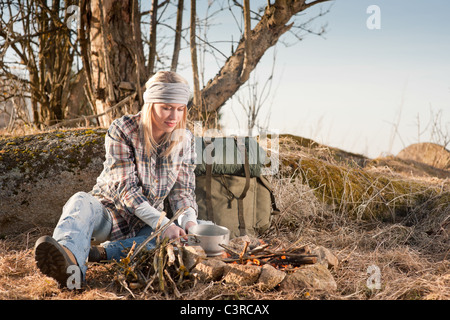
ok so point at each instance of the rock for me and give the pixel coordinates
(429, 153)
(242, 275)
(39, 173)
(192, 255)
(325, 257)
(270, 277)
(238, 243)
(209, 270)
(312, 277)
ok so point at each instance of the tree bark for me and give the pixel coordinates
(177, 42)
(77, 99)
(116, 54)
(153, 26)
(248, 42)
(197, 94)
(84, 41)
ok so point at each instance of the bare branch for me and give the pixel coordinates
(152, 43)
(273, 24)
(193, 47)
(248, 43)
(177, 42)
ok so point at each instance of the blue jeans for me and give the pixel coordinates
(84, 220)
(115, 249)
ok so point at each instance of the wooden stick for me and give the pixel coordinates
(182, 267)
(122, 280)
(271, 255)
(244, 250)
(175, 289)
(170, 254)
(229, 249)
(305, 249)
(158, 231)
(117, 105)
(161, 269)
(258, 249)
(306, 259)
(298, 255)
(158, 225)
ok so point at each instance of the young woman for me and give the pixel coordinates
(150, 156)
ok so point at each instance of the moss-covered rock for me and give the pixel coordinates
(339, 180)
(38, 173)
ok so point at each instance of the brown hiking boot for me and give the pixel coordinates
(53, 259)
(97, 254)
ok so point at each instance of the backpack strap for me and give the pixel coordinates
(240, 200)
(208, 178)
(268, 186)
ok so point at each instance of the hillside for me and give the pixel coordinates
(391, 213)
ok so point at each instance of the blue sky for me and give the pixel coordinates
(350, 88)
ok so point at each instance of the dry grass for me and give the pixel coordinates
(412, 258)
(370, 216)
(365, 216)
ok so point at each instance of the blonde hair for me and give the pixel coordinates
(173, 137)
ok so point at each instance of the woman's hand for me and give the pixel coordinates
(188, 225)
(174, 232)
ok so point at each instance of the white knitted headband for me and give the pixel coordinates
(167, 93)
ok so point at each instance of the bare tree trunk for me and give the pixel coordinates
(153, 26)
(197, 96)
(272, 25)
(116, 56)
(55, 62)
(77, 100)
(248, 43)
(84, 41)
(99, 69)
(137, 61)
(177, 42)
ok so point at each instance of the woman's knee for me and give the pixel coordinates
(79, 202)
(81, 195)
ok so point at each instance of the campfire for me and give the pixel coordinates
(172, 267)
(263, 253)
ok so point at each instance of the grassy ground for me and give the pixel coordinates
(369, 216)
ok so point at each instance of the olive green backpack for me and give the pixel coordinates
(230, 189)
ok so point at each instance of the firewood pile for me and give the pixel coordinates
(257, 252)
(161, 269)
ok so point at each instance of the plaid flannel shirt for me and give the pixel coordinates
(131, 177)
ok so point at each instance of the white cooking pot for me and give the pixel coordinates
(209, 236)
